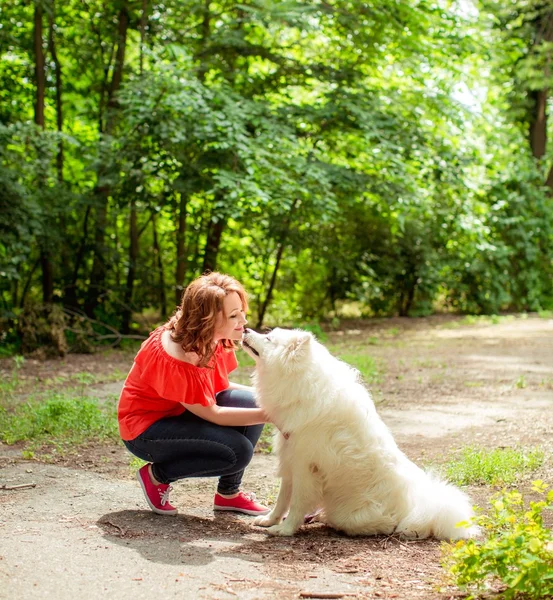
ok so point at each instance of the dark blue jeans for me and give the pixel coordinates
(188, 446)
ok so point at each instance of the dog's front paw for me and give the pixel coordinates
(281, 530)
(266, 521)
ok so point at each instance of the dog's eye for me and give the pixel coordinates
(268, 339)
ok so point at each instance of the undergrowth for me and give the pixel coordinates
(514, 558)
(59, 421)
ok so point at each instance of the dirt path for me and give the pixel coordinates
(83, 531)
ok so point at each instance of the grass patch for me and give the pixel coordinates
(364, 363)
(9, 384)
(487, 319)
(502, 466)
(59, 421)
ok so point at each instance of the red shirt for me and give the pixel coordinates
(158, 385)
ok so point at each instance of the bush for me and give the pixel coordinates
(517, 554)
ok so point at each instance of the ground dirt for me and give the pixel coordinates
(83, 530)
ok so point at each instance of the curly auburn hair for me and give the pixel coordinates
(193, 325)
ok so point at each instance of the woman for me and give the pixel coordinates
(178, 410)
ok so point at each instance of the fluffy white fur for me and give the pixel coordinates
(337, 453)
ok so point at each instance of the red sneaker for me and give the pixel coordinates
(157, 496)
(244, 502)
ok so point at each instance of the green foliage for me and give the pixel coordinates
(320, 152)
(515, 554)
(501, 466)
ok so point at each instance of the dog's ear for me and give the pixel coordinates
(299, 345)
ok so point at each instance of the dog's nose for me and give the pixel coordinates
(247, 330)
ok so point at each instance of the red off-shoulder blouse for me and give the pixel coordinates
(159, 385)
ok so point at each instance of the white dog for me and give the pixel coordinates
(335, 452)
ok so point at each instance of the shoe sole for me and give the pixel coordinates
(244, 511)
(154, 509)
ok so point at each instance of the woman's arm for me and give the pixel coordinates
(229, 416)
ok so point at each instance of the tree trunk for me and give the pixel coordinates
(206, 31)
(27, 285)
(539, 98)
(181, 252)
(40, 76)
(212, 244)
(143, 21)
(40, 79)
(272, 283)
(538, 123)
(59, 112)
(70, 298)
(98, 272)
(280, 251)
(47, 277)
(159, 265)
(131, 273)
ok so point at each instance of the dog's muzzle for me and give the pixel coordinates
(244, 343)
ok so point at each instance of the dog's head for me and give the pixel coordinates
(280, 349)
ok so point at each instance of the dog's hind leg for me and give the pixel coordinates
(305, 497)
(281, 507)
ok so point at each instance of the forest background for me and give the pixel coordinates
(338, 157)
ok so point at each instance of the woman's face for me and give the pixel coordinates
(231, 322)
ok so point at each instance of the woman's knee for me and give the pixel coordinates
(243, 452)
(236, 399)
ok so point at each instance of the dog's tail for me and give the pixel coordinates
(437, 509)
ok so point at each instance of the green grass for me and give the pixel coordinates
(9, 384)
(487, 319)
(502, 466)
(135, 463)
(60, 421)
(364, 363)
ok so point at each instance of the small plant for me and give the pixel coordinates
(501, 466)
(520, 383)
(547, 383)
(516, 554)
